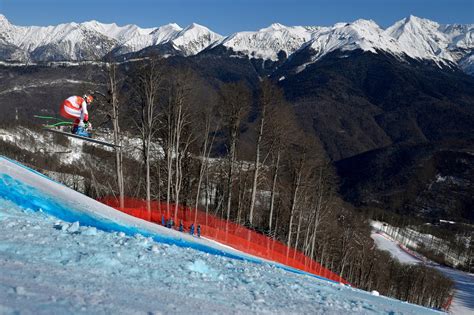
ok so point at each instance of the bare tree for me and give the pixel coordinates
(234, 107)
(280, 127)
(112, 108)
(297, 163)
(114, 88)
(322, 200)
(180, 89)
(168, 141)
(269, 101)
(177, 134)
(149, 81)
(208, 137)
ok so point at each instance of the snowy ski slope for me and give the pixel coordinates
(463, 302)
(62, 252)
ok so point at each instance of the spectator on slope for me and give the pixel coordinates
(191, 229)
(181, 226)
(75, 107)
(199, 230)
(163, 220)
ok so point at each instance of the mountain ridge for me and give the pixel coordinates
(417, 38)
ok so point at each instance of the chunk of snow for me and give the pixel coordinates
(74, 227)
(199, 266)
(90, 231)
(20, 290)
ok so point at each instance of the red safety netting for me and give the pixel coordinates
(224, 232)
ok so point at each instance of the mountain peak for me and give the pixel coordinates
(194, 38)
(195, 26)
(421, 39)
(411, 17)
(173, 25)
(195, 30)
(365, 23)
(268, 42)
(274, 26)
(168, 27)
(94, 22)
(277, 25)
(413, 20)
(361, 34)
(3, 20)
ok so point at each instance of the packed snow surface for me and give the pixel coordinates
(99, 263)
(463, 302)
(383, 243)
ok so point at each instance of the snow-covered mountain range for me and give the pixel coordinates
(93, 40)
(414, 37)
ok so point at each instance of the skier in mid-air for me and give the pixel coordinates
(76, 107)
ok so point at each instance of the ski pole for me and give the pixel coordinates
(47, 117)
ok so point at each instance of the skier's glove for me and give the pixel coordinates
(89, 126)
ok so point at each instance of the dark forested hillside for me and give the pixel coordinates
(359, 101)
(432, 181)
(402, 131)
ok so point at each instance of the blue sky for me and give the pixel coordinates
(227, 16)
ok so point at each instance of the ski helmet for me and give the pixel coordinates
(88, 98)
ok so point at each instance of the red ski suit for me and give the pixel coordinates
(75, 107)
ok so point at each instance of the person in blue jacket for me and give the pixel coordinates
(181, 226)
(191, 229)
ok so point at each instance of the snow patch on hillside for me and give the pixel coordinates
(421, 38)
(267, 42)
(383, 242)
(361, 34)
(413, 239)
(463, 302)
(194, 38)
(42, 142)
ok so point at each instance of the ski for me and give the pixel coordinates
(68, 134)
(61, 123)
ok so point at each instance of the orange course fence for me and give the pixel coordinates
(225, 232)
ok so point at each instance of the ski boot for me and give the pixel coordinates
(81, 131)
